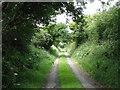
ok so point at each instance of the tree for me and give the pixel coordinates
(79, 35)
(50, 35)
(17, 13)
(18, 31)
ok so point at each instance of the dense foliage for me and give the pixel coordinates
(104, 28)
(28, 50)
(20, 33)
(50, 35)
(99, 54)
(79, 34)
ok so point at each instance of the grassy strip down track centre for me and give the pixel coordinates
(66, 76)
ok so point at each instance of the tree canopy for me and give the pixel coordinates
(19, 31)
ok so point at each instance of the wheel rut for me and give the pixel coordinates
(52, 80)
(82, 76)
(52, 77)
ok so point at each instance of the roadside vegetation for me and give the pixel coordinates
(35, 77)
(98, 53)
(31, 40)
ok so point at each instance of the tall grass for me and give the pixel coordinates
(70, 48)
(92, 58)
(35, 77)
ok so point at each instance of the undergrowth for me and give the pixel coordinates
(92, 58)
(29, 69)
(34, 78)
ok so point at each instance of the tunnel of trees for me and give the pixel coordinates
(25, 46)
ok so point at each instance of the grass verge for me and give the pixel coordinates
(34, 78)
(66, 76)
(91, 58)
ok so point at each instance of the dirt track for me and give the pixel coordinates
(82, 76)
(52, 80)
(52, 77)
